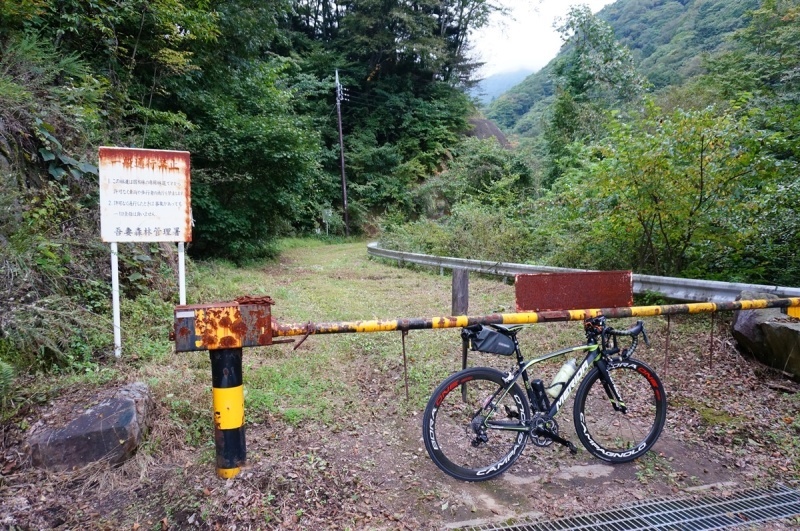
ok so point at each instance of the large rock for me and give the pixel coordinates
(111, 431)
(783, 339)
(771, 336)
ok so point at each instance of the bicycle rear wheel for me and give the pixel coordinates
(614, 435)
(454, 430)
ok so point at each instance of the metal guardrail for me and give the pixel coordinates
(685, 289)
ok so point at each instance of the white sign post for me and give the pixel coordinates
(144, 197)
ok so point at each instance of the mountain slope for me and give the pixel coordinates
(493, 86)
(668, 39)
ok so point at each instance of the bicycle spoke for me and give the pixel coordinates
(616, 434)
(456, 432)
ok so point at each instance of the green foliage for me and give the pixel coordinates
(245, 128)
(53, 333)
(44, 96)
(401, 141)
(246, 87)
(289, 391)
(482, 171)
(595, 65)
(146, 322)
(6, 379)
(477, 198)
(473, 230)
(667, 194)
(705, 186)
(667, 41)
(193, 417)
(519, 101)
(594, 74)
(58, 162)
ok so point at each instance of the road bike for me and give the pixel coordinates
(478, 421)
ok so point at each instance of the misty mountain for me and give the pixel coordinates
(493, 86)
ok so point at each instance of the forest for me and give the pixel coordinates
(662, 139)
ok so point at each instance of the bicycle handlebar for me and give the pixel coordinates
(632, 332)
(637, 329)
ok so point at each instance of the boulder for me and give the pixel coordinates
(110, 431)
(771, 336)
(783, 339)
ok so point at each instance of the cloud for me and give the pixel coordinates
(527, 43)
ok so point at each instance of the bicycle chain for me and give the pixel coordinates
(547, 423)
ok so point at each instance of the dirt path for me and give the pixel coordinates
(334, 444)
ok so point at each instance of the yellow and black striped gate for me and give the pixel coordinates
(225, 328)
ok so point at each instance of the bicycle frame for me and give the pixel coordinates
(593, 353)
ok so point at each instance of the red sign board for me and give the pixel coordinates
(581, 290)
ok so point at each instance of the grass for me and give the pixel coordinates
(324, 283)
(652, 464)
(315, 282)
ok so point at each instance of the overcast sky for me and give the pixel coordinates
(530, 41)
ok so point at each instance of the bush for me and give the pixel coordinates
(6, 380)
(473, 231)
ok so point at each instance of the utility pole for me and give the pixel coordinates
(341, 155)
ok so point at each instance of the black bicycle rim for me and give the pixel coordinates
(614, 435)
(451, 427)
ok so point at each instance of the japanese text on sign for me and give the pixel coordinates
(144, 195)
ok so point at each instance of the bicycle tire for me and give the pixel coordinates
(616, 436)
(452, 435)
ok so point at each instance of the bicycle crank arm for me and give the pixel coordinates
(507, 426)
(556, 438)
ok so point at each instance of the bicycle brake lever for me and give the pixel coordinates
(644, 336)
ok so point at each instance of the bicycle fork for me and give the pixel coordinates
(610, 388)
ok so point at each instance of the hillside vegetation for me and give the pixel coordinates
(668, 40)
(691, 174)
(497, 84)
(248, 88)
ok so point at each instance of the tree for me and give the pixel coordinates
(760, 78)
(404, 64)
(595, 75)
(135, 48)
(254, 157)
(664, 190)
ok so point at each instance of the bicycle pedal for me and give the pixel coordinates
(572, 449)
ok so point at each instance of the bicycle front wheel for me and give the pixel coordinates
(478, 438)
(625, 432)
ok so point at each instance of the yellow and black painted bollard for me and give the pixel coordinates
(223, 329)
(228, 397)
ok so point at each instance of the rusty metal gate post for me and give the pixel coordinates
(224, 329)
